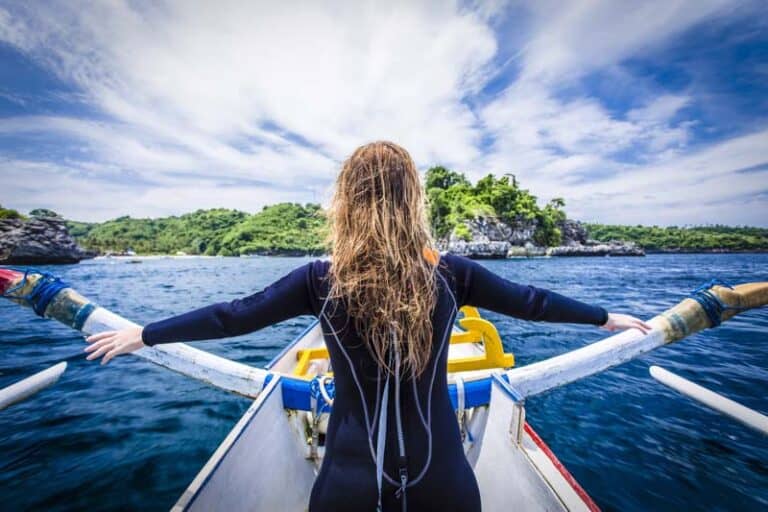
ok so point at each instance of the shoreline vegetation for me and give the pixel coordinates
(492, 218)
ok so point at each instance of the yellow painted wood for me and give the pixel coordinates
(467, 364)
(494, 350)
(470, 311)
(475, 330)
(305, 356)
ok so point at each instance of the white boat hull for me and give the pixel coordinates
(261, 465)
(264, 463)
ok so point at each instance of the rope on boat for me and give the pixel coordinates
(460, 408)
(322, 387)
(711, 303)
(321, 395)
(44, 290)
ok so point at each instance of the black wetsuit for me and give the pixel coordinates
(438, 474)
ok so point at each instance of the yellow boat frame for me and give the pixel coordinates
(474, 330)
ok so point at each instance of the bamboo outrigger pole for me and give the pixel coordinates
(51, 298)
(707, 307)
(27, 387)
(749, 417)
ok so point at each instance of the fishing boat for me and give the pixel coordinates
(270, 458)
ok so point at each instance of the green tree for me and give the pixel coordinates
(43, 212)
(8, 213)
(440, 177)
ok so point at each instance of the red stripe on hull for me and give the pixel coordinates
(8, 278)
(563, 471)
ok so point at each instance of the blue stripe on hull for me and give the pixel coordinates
(296, 392)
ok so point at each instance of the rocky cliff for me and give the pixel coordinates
(491, 238)
(38, 240)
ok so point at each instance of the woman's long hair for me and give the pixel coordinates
(378, 237)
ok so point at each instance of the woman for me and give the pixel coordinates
(386, 304)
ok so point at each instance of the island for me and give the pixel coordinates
(492, 218)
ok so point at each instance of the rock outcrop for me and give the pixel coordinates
(574, 232)
(491, 238)
(478, 250)
(595, 248)
(576, 243)
(487, 238)
(38, 240)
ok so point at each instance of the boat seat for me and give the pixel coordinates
(474, 330)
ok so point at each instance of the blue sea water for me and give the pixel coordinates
(131, 436)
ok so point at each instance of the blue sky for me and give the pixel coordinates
(650, 112)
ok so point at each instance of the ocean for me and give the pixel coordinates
(131, 436)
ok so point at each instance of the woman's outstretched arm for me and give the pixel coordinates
(478, 286)
(286, 298)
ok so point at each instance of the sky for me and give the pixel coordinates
(652, 112)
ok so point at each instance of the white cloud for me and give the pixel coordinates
(277, 92)
(661, 109)
(685, 189)
(545, 138)
(191, 94)
(336, 74)
(572, 146)
(99, 192)
(573, 38)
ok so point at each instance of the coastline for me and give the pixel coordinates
(293, 254)
(706, 251)
(289, 230)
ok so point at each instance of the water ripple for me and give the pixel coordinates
(131, 436)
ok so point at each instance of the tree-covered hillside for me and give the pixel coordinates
(685, 239)
(288, 228)
(284, 228)
(281, 228)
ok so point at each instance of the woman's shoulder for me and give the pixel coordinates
(320, 264)
(458, 273)
(317, 269)
(317, 273)
(454, 264)
(450, 267)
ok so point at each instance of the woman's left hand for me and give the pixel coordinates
(113, 343)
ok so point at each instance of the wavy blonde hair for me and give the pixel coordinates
(380, 242)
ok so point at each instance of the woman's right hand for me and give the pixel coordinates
(620, 321)
(113, 343)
